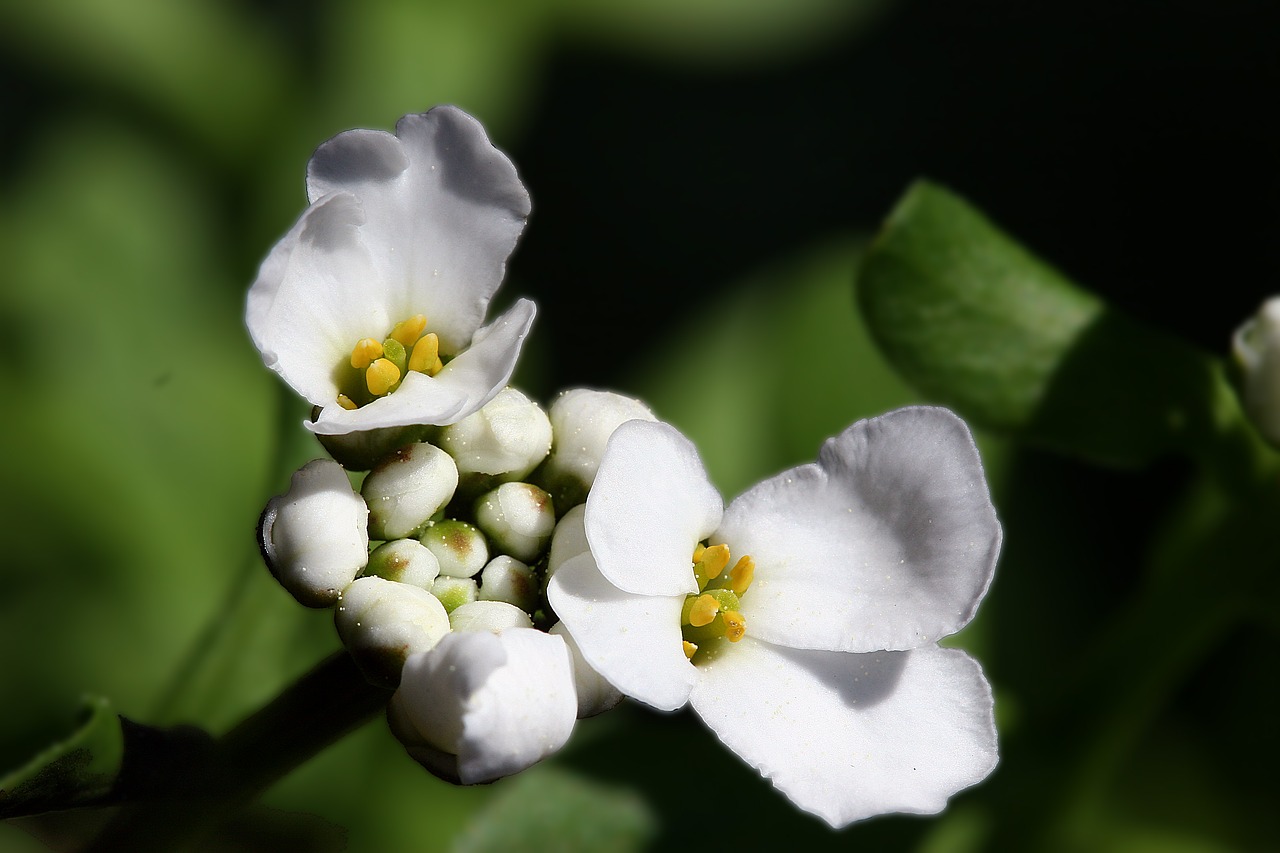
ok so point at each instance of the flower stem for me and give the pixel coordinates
(180, 805)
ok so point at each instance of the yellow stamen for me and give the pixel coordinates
(741, 575)
(698, 551)
(365, 353)
(703, 611)
(426, 355)
(408, 331)
(735, 626)
(715, 559)
(690, 649)
(381, 377)
(347, 403)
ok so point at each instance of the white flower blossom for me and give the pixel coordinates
(805, 635)
(371, 306)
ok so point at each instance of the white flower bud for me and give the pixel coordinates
(382, 622)
(406, 561)
(495, 616)
(519, 518)
(480, 706)
(454, 592)
(314, 537)
(507, 438)
(569, 539)
(595, 695)
(408, 487)
(460, 548)
(1256, 346)
(582, 421)
(507, 579)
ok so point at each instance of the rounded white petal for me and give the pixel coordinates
(444, 209)
(650, 506)
(849, 736)
(493, 616)
(382, 622)
(498, 702)
(314, 537)
(889, 541)
(633, 641)
(582, 421)
(595, 694)
(509, 436)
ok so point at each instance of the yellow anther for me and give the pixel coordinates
(347, 403)
(698, 551)
(690, 649)
(715, 559)
(703, 611)
(381, 377)
(408, 331)
(426, 355)
(735, 626)
(366, 352)
(741, 575)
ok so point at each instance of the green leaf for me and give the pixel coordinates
(76, 771)
(550, 809)
(978, 323)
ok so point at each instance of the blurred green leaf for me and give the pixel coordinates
(978, 323)
(76, 771)
(551, 810)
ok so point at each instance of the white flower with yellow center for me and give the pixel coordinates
(801, 623)
(371, 306)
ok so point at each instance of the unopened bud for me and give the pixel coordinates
(455, 592)
(408, 487)
(1256, 347)
(495, 616)
(460, 548)
(569, 539)
(360, 451)
(506, 439)
(314, 537)
(519, 518)
(382, 622)
(582, 421)
(507, 579)
(405, 561)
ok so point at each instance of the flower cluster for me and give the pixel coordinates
(509, 569)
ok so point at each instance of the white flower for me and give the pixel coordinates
(371, 306)
(480, 705)
(1256, 347)
(808, 644)
(315, 537)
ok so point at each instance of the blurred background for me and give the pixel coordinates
(705, 177)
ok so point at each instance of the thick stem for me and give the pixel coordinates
(317, 710)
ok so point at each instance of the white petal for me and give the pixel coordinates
(650, 505)
(888, 542)
(595, 694)
(848, 736)
(634, 641)
(444, 210)
(316, 294)
(499, 702)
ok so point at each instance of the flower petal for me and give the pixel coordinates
(633, 641)
(444, 210)
(314, 298)
(499, 702)
(887, 542)
(849, 736)
(650, 505)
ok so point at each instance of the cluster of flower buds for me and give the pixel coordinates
(436, 570)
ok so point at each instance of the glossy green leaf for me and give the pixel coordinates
(978, 323)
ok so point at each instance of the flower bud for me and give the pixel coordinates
(595, 695)
(314, 537)
(405, 561)
(507, 579)
(360, 451)
(569, 539)
(506, 439)
(494, 616)
(518, 518)
(1256, 347)
(454, 592)
(582, 421)
(382, 622)
(460, 548)
(408, 487)
(480, 706)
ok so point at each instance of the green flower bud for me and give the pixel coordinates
(454, 592)
(460, 548)
(519, 518)
(360, 451)
(408, 487)
(405, 561)
(382, 622)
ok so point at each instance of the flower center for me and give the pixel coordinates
(712, 614)
(378, 366)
